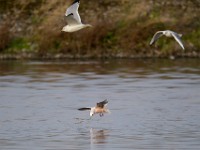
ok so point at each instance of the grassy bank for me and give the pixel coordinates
(121, 28)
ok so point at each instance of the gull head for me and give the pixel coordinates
(66, 29)
(92, 111)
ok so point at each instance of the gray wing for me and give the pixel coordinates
(73, 9)
(156, 36)
(101, 104)
(70, 20)
(178, 39)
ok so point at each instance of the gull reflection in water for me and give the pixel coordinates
(98, 136)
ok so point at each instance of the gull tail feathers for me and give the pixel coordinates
(108, 111)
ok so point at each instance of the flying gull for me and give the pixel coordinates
(100, 109)
(167, 33)
(73, 18)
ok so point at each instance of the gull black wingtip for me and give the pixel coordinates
(70, 15)
(76, 1)
(82, 109)
(106, 101)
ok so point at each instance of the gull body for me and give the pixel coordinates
(100, 109)
(74, 28)
(167, 33)
(73, 18)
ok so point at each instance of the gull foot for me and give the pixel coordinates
(101, 114)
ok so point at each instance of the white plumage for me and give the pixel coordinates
(167, 33)
(73, 18)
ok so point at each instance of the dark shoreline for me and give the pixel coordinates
(71, 57)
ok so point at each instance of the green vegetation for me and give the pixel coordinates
(19, 44)
(121, 28)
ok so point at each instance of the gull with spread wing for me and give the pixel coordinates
(168, 33)
(100, 109)
(73, 18)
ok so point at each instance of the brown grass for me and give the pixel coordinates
(119, 26)
(5, 36)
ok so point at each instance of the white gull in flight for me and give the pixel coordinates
(167, 33)
(73, 18)
(100, 109)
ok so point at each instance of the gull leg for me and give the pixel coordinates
(101, 114)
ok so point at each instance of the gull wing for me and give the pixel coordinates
(156, 36)
(83, 109)
(178, 39)
(71, 20)
(73, 9)
(102, 104)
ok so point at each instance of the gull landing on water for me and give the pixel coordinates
(168, 33)
(73, 18)
(100, 109)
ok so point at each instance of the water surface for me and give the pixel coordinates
(155, 104)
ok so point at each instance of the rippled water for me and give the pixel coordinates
(155, 104)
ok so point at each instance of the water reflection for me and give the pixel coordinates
(98, 136)
(85, 68)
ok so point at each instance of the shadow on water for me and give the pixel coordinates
(154, 104)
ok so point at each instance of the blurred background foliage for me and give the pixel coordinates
(121, 28)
